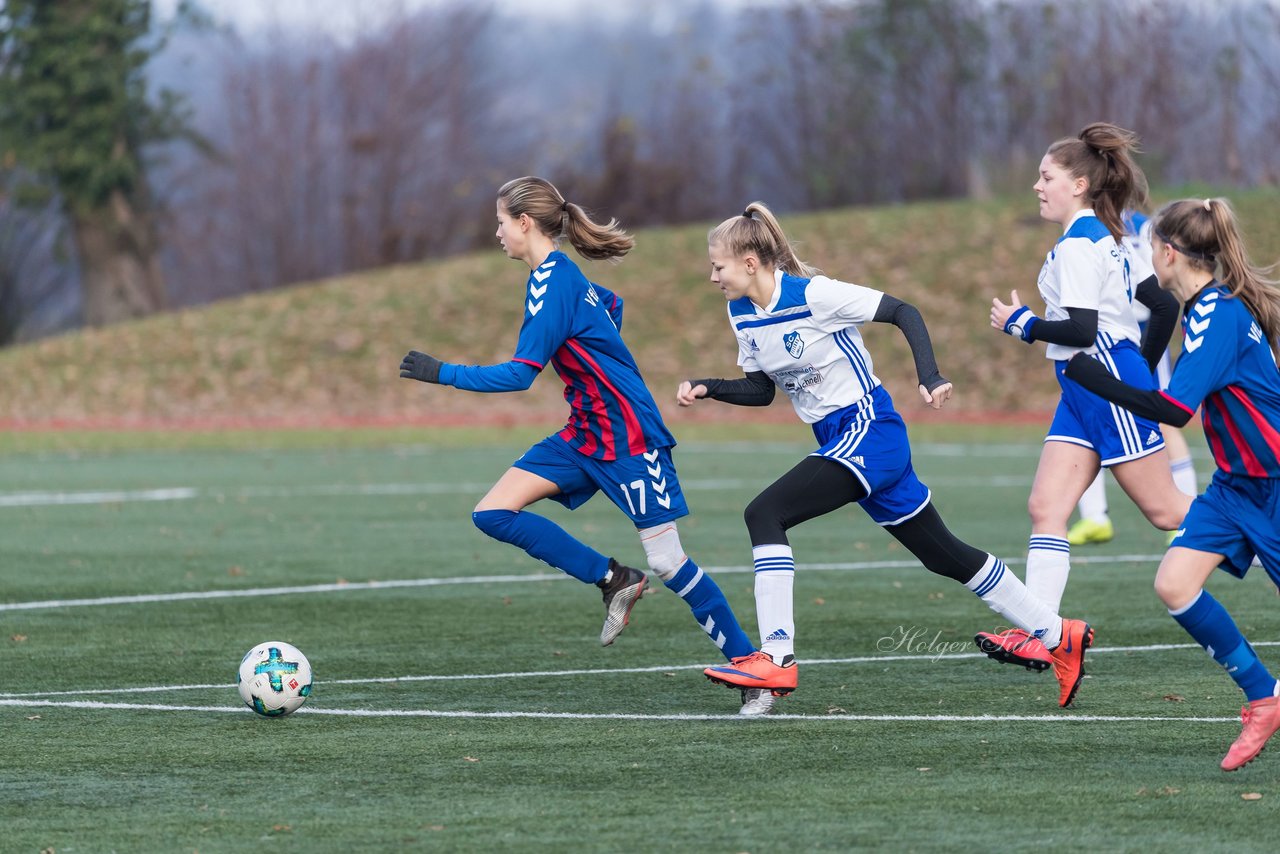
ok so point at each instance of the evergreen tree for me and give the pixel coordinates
(75, 120)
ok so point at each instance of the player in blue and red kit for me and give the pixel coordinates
(1231, 330)
(614, 442)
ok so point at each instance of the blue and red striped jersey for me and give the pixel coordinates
(1227, 367)
(572, 324)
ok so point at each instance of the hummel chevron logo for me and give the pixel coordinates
(541, 277)
(546, 265)
(651, 456)
(654, 471)
(1191, 345)
(1205, 308)
(534, 307)
(660, 487)
(537, 292)
(1198, 326)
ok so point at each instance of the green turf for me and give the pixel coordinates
(384, 509)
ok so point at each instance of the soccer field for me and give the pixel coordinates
(462, 701)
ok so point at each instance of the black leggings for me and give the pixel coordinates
(817, 486)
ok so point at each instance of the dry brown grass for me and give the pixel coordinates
(329, 351)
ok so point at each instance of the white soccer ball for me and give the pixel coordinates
(274, 678)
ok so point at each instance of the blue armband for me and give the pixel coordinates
(1019, 324)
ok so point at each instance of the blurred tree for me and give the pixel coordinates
(74, 120)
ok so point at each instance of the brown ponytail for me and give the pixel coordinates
(1207, 234)
(1102, 154)
(558, 218)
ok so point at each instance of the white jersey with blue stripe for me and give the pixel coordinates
(1088, 269)
(807, 340)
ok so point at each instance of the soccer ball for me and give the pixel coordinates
(274, 678)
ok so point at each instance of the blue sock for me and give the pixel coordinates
(545, 540)
(701, 593)
(1212, 627)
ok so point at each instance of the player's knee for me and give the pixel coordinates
(1169, 517)
(1175, 592)
(493, 522)
(663, 551)
(764, 522)
(1044, 511)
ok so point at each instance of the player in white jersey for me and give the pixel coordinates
(1094, 524)
(798, 330)
(1085, 184)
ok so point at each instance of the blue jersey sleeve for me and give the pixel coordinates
(508, 376)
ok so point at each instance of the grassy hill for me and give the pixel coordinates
(328, 352)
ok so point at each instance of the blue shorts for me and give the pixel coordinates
(1115, 433)
(870, 440)
(1236, 517)
(645, 486)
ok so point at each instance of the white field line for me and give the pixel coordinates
(924, 655)
(192, 493)
(347, 587)
(580, 716)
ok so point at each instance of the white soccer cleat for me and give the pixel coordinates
(624, 588)
(757, 702)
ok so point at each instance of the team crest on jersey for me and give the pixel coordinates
(793, 343)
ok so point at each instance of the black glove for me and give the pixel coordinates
(420, 366)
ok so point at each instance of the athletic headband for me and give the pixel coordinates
(1190, 253)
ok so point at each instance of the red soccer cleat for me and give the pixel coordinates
(1014, 646)
(1261, 719)
(1068, 659)
(757, 670)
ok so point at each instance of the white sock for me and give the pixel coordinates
(1009, 597)
(1184, 475)
(775, 613)
(1093, 504)
(1048, 564)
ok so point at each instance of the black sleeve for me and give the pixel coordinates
(754, 389)
(1164, 318)
(1080, 329)
(907, 318)
(1091, 374)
